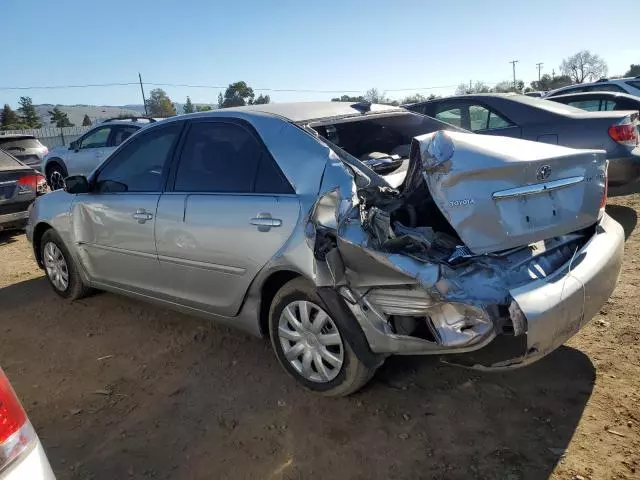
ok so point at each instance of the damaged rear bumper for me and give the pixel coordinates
(555, 308)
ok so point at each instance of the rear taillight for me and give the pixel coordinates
(28, 183)
(603, 200)
(32, 183)
(16, 433)
(625, 133)
(41, 184)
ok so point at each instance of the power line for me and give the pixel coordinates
(219, 87)
(51, 87)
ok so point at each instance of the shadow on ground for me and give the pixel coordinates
(121, 389)
(628, 189)
(625, 216)
(9, 236)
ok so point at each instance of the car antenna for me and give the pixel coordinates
(362, 107)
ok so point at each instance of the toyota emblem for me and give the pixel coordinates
(543, 172)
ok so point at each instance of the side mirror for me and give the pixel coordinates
(73, 146)
(76, 184)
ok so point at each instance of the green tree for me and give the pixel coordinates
(584, 66)
(86, 121)
(347, 98)
(203, 108)
(59, 118)
(634, 70)
(28, 112)
(478, 87)
(159, 104)
(9, 120)
(262, 99)
(188, 106)
(547, 82)
(236, 95)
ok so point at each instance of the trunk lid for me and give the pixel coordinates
(499, 193)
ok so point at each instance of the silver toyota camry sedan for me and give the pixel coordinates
(490, 251)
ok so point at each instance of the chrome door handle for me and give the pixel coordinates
(264, 222)
(142, 215)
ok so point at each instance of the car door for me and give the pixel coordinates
(228, 210)
(114, 223)
(88, 151)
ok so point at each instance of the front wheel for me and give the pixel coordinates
(310, 345)
(62, 272)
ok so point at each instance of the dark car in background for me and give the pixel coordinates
(25, 148)
(541, 120)
(19, 187)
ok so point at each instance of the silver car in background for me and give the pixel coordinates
(492, 251)
(25, 148)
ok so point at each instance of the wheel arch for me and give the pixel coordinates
(38, 232)
(274, 282)
(54, 161)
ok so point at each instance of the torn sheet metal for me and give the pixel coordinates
(555, 189)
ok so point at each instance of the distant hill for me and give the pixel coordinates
(76, 113)
(96, 113)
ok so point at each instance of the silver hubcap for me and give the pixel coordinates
(56, 266)
(56, 180)
(310, 341)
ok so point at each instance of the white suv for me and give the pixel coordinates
(87, 152)
(630, 85)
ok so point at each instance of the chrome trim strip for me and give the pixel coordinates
(537, 188)
(123, 251)
(202, 265)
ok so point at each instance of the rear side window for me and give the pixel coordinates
(634, 83)
(481, 118)
(221, 157)
(607, 87)
(7, 161)
(608, 105)
(592, 105)
(452, 115)
(19, 144)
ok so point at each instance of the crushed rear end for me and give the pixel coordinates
(493, 250)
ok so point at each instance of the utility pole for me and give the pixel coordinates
(539, 65)
(144, 101)
(513, 62)
(470, 87)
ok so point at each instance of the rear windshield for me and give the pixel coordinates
(389, 134)
(19, 143)
(7, 161)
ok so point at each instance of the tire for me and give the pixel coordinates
(330, 378)
(58, 262)
(55, 176)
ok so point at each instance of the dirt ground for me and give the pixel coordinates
(119, 389)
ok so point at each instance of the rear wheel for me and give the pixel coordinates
(56, 176)
(310, 345)
(62, 272)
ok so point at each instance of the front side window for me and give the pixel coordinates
(139, 165)
(96, 139)
(121, 133)
(481, 118)
(592, 105)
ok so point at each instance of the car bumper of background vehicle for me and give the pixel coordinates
(624, 170)
(13, 220)
(32, 466)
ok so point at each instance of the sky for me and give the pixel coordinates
(399, 47)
